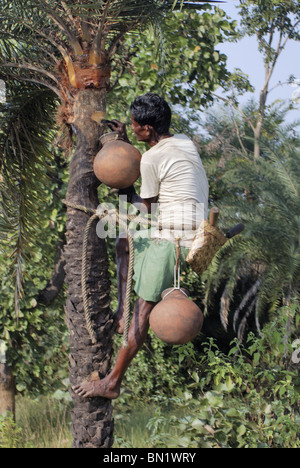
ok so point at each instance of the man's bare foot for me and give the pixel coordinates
(96, 388)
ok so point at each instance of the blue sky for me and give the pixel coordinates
(244, 55)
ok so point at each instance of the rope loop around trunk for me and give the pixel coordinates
(98, 215)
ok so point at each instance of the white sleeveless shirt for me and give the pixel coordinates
(173, 171)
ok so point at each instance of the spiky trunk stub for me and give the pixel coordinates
(92, 424)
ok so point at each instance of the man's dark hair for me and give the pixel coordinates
(151, 109)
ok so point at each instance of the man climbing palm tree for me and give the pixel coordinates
(172, 174)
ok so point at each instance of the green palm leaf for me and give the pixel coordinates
(267, 254)
(45, 30)
(25, 165)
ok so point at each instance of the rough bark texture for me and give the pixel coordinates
(7, 390)
(92, 424)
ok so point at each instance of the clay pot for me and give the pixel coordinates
(176, 319)
(117, 164)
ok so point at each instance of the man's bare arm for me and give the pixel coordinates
(133, 197)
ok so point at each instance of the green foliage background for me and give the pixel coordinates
(247, 397)
(34, 176)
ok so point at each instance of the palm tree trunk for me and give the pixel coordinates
(7, 390)
(92, 424)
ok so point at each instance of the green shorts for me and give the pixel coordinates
(154, 262)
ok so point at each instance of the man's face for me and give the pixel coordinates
(142, 133)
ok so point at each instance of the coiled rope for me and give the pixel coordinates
(100, 214)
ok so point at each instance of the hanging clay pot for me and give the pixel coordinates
(117, 164)
(176, 319)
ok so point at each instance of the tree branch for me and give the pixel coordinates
(237, 108)
(36, 81)
(28, 66)
(238, 134)
(55, 284)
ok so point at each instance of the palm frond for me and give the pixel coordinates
(63, 19)
(265, 196)
(248, 296)
(28, 50)
(35, 35)
(25, 157)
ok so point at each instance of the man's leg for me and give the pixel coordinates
(109, 387)
(122, 251)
